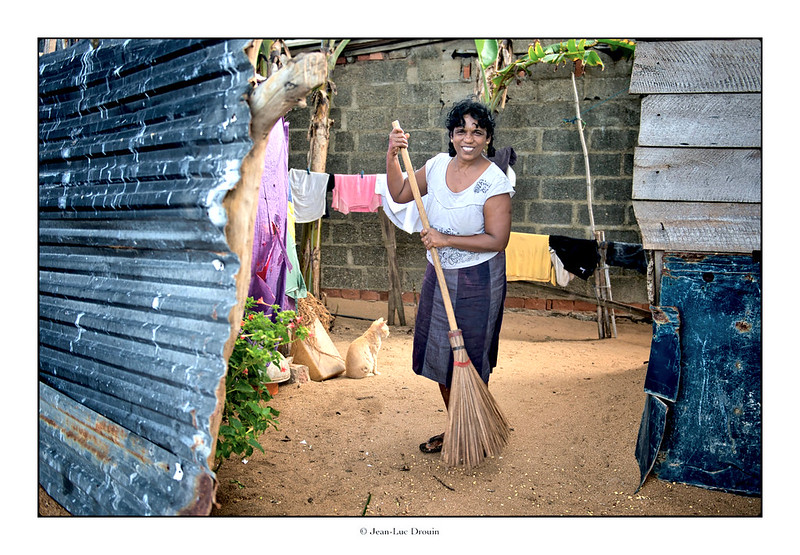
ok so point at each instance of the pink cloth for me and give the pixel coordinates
(355, 193)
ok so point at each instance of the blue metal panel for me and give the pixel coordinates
(139, 141)
(663, 368)
(712, 432)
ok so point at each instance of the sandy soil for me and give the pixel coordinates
(350, 447)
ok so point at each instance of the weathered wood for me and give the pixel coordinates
(699, 226)
(697, 174)
(319, 139)
(701, 120)
(269, 102)
(607, 320)
(395, 291)
(697, 66)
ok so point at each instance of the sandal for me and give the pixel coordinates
(433, 445)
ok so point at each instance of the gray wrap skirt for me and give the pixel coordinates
(477, 294)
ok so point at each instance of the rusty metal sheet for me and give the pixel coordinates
(699, 226)
(99, 467)
(139, 141)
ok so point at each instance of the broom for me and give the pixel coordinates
(476, 428)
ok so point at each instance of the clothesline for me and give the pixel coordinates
(360, 192)
(530, 257)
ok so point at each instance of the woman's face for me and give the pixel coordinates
(469, 140)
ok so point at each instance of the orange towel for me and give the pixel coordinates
(528, 258)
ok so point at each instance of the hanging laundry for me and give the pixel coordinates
(268, 266)
(579, 256)
(504, 157)
(308, 194)
(626, 255)
(528, 258)
(355, 193)
(563, 277)
(295, 284)
(406, 215)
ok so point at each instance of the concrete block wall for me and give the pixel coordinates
(417, 86)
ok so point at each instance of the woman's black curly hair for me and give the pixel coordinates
(476, 110)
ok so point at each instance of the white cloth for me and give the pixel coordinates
(460, 213)
(405, 216)
(308, 194)
(563, 276)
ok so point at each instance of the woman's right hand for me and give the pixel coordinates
(397, 140)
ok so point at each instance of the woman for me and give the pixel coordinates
(468, 204)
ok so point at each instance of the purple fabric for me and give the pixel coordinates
(269, 265)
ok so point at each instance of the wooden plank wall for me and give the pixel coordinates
(697, 167)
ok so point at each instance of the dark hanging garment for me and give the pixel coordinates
(579, 256)
(504, 157)
(626, 255)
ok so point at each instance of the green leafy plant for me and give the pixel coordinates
(246, 415)
(579, 51)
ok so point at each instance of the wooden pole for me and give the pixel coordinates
(395, 291)
(606, 323)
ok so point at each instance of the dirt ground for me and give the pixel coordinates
(350, 447)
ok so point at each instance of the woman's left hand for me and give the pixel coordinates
(432, 238)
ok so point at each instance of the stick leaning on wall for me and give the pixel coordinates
(476, 427)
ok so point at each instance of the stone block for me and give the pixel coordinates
(299, 373)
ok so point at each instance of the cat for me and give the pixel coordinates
(362, 355)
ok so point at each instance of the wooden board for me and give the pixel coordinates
(701, 120)
(697, 66)
(699, 226)
(697, 174)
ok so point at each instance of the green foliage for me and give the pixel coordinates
(573, 50)
(246, 415)
(487, 51)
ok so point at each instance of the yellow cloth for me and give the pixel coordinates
(528, 258)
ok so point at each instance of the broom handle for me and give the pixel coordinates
(412, 179)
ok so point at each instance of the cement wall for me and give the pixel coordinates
(417, 86)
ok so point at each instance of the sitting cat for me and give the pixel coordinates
(362, 355)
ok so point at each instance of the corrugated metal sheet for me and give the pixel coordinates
(139, 140)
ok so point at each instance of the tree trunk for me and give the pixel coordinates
(318, 136)
(269, 102)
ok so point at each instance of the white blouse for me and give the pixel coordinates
(460, 213)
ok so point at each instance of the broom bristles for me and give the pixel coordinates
(476, 426)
